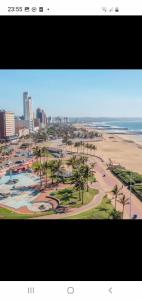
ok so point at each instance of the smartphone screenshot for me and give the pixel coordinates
(70, 149)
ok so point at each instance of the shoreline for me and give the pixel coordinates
(126, 136)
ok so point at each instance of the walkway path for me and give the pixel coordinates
(75, 211)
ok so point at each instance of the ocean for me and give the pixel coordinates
(119, 126)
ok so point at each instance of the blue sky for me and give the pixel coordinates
(94, 93)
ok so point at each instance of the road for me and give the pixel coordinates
(109, 181)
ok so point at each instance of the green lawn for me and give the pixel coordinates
(71, 197)
(101, 212)
(6, 213)
(49, 154)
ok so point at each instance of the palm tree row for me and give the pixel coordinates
(82, 146)
(54, 166)
(81, 173)
(40, 152)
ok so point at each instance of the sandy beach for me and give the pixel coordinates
(124, 149)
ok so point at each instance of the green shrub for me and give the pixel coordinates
(65, 197)
(124, 175)
(52, 194)
(65, 191)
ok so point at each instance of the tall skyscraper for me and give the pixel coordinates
(7, 124)
(28, 112)
(25, 97)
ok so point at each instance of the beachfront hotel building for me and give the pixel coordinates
(7, 124)
(28, 111)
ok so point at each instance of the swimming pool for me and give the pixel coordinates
(25, 179)
(19, 197)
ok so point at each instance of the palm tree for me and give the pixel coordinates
(45, 169)
(38, 153)
(82, 160)
(44, 152)
(60, 170)
(116, 193)
(79, 182)
(77, 145)
(92, 165)
(38, 169)
(114, 214)
(52, 167)
(87, 172)
(58, 166)
(69, 143)
(72, 162)
(83, 145)
(124, 201)
(82, 186)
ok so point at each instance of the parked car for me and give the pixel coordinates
(19, 161)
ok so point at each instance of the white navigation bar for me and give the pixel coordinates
(73, 290)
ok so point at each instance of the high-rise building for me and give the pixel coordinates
(25, 97)
(7, 124)
(41, 116)
(28, 112)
